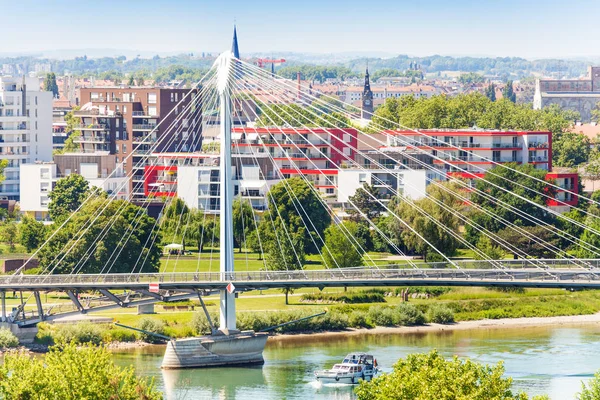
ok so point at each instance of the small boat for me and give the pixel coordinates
(354, 367)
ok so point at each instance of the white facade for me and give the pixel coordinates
(388, 182)
(25, 128)
(37, 180)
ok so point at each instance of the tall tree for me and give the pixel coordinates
(490, 92)
(243, 221)
(363, 203)
(285, 248)
(67, 196)
(296, 204)
(31, 233)
(3, 164)
(118, 237)
(72, 132)
(50, 84)
(509, 93)
(9, 234)
(340, 250)
(131, 81)
(570, 149)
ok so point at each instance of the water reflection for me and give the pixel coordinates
(545, 360)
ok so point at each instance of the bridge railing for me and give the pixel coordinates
(351, 274)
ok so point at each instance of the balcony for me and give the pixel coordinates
(92, 139)
(142, 114)
(91, 127)
(538, 159)
(538, 145)
(143, 127)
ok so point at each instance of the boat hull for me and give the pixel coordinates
(244, 348)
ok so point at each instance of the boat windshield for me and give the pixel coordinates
(340, 367)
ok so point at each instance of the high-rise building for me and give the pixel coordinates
(25, 129)
(139, 120)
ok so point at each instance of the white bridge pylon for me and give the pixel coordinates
(227, 298)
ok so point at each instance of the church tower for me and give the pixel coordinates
(367, 98)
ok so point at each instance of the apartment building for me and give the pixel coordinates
(25, 129)
(133, 122)
(38, 179)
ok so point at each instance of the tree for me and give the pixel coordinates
(175, 222)
(521, 186)
(66, 197)
(72, 373)
(589, 236)
(116, 236)
(490, 92)
(285, 248)
(591, 389)
(9, 234)
(131, 81)
(489, 249)
(363, 202)
(50, 84)
(508, 93)
(430, 222)
(431, 377)
(339, 249)
(243, 221)
(526, 244)
(570, 149)
(295, 203)
(3, 164)
(72, 132)
(32, 233)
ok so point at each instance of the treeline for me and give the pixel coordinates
(318, 73)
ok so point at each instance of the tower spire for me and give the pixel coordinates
(367, 97)
(234, 46)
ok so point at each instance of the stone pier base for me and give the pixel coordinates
(146, 309)
(25, 335)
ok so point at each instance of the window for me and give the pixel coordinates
(126, 97)
(176, 96)
(124, 109)
(329, 190)
(124, 148)
(94, 95)
(152, 111)
(151, 98)
(514, 155)
(496, 156)
(362, 178)
(172, 97)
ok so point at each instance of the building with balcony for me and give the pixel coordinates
(140, 118)
(25, 129)
(38, 179)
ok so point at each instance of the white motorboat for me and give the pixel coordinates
(354, 367)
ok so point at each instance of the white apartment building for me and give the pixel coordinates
(25, 128)
(388, 183)
(37, 180)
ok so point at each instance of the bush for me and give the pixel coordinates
(433, 291)
(440, 314)
(363, 296)
(7, 339)
(79, 333)
(154, 326)
(359, 319)
(71, 373)
(409, 314)
(383, 316)
(119, 335)
(200, 324)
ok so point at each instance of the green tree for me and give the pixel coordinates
(116, 236)
(528, 244)
(363, 202)
(50, 84)
(489, 249)
(431, 219)
(71, 373)
(470, 77)
(9, 234)
(339, 249)
(176, 219)
(570, 149)
(590, 390)
(431, 377)
(72, 132)
(3, 165)
(68, 194)
(31, 233)
(509, 93)
(243, 221)
(490, 92)
(285, 248)
(295, 203)
(521, 186)
(131, 80)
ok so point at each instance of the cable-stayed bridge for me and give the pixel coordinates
(227, 96)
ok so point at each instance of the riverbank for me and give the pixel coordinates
(503, 323)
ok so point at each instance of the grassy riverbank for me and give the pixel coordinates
(258, 311)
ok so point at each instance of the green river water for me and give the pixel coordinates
(545, 360)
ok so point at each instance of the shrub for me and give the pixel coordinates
(433, 291)
(71, 373)
(363, 296)
(154, 326)
(79, 333)
(359, 319)
(200, 324)
(440, 314)
(119, 335)
(408, 314)
(7, 339)
(383, 316)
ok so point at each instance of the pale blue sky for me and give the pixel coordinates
(527, 28)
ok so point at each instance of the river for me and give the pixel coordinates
(545, 360)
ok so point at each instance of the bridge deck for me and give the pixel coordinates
(243, 281)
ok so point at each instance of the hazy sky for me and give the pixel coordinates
(527, 28)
